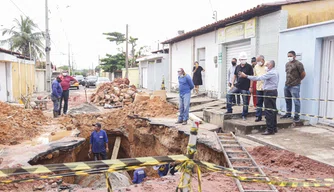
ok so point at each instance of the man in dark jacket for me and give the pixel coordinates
(56, 95)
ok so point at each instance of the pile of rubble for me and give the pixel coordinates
(18, 124)
(118, 93)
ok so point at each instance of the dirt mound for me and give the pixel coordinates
(117, 92)
(118, 118)
(17, 123)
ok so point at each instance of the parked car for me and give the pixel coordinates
(90, 81)
(80, 79)
(102, 80)
(74, 84)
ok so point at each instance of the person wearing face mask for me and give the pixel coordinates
(253, 94)
(295, 73)
(185, 87)
(197, 76)
(243, 85)
(65, 84)
(259, 70)
(230, 76)
(56, 95)
(270, 84)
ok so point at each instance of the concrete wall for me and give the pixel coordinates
(40, 80)
(309, 12)
(181, 58)
(209, 42)
(133, 76)
(307, 41)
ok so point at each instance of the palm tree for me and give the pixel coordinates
(23, 36)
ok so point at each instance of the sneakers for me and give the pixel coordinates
(258, 119)
(244, 118)
(286, 116)
(184, 123)
(268, 133)
(178, 122)
(296, 119)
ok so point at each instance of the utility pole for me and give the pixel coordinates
(47, 48)
(126, 53)
(93, 73)
(69, 60)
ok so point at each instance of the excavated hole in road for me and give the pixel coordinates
(151, 140)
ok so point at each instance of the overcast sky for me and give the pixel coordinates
(82, 22)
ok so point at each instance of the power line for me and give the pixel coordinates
(211, 5)
(36, 25)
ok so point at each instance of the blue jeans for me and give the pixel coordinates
(259, 104)
(55, 101)
(294, 92)
(245, 97)
(103, 156)
(184, 107)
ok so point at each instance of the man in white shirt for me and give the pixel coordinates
(230, 74)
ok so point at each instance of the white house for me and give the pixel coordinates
(152, 69)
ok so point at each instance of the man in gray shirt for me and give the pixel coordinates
(230, 75)
(271, 79)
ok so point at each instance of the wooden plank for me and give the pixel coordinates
(203, 106)
(116, 148)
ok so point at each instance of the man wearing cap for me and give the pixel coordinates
(243, 85)
(65, 84)
(98, 143)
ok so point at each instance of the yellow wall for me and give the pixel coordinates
(133, 76)
(23, 77)
(309, 12)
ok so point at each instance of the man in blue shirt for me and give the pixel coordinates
(185, 86)
(56, 95)
(99, 143)
(138, 176)
(271, 79)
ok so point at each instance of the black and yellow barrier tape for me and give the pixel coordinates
(80, 166)
(279, 181)
(187, 167)
(279, 97)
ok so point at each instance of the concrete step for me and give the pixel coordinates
(249, 126)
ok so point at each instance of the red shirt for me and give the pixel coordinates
(66, 82)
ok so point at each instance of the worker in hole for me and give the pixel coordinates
(185, 86)
(99, 143)
(162, 169)
(138, 176)
(56, 95)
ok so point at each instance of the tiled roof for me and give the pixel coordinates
(245, 15)
(17, 54)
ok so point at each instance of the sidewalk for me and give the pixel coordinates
(315, 142)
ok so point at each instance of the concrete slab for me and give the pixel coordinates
(315, 142)
(205, 105)
(249, 126)
(205, 134)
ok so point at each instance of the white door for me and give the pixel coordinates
(3, 82)
(144, 77)
(40, 80)
(201, 61)
(327, 81)
(233, 51)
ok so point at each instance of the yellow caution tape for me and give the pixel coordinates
(80, 166)
(187, 168)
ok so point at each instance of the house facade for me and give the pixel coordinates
(255, 31)
(17, 76)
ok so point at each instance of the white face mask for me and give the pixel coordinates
(64, 74)
(259, 63)
(179, 73)
(243, 62)
(266, 68)
(290, 59)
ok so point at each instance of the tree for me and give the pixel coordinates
(133, 43)
(116, 37)
(23, 36)
(113, 62)
(63, 68)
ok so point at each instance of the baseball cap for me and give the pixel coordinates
(97, 125)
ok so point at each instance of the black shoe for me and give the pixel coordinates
(228, 112)
(296, 119)
(244, 118)
(257, 119)
(275, 131)
(178, 122)
(286, 117)
(184, 123)
(268, 133)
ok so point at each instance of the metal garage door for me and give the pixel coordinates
(144, 77)
(233, 51)
(3, 82)
(327, 81)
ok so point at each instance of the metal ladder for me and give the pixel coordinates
(232, 150)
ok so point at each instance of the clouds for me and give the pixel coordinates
(83, 22)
